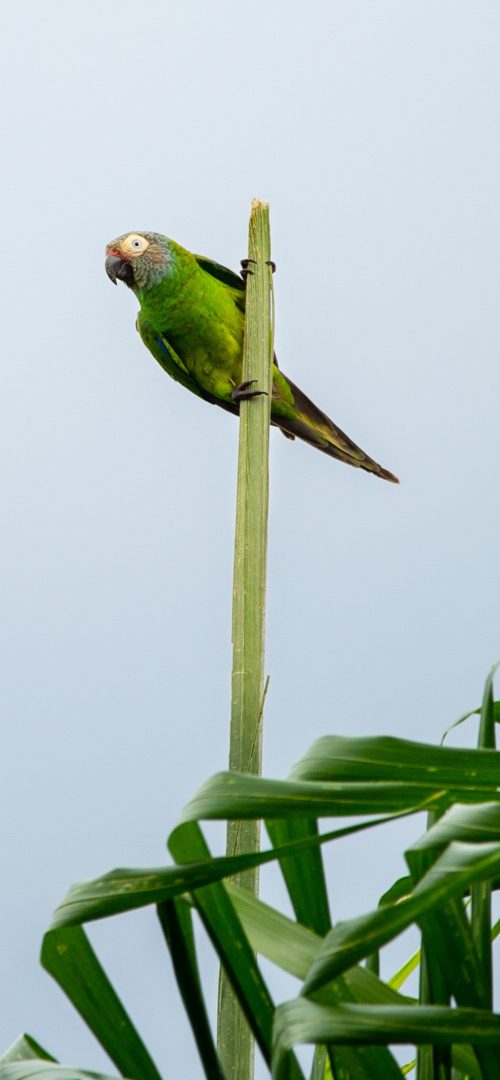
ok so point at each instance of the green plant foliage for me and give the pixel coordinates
(176, 921)
(26, 1060)
(301, 1021)
(352, 1016)
(69, 957)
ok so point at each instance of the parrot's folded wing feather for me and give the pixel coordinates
(166, 356)
(222, 273)
(171, 362)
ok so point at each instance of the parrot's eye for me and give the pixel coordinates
(135, 244)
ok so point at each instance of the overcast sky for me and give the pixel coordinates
(372, 129)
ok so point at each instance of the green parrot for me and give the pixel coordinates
(192, 315)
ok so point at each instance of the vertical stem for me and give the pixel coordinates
(235, 1043)
(250, 551)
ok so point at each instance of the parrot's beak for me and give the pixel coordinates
(116, 267)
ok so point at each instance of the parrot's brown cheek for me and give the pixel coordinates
(118, 268)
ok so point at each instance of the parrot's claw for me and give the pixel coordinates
(272, 265)
(243, 392)
(244, 268)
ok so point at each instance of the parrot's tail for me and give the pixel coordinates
(313, 426)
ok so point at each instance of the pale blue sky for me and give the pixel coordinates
(372, 129)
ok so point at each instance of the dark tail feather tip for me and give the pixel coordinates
(386, 475)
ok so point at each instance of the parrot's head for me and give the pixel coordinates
(138, 259)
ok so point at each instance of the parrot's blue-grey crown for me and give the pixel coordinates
(138, 259)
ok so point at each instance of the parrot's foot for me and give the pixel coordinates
(244, 268)
(245, 264)
(243, 392)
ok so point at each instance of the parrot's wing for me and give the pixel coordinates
(228, 277)
(166, 355)
(171, 362)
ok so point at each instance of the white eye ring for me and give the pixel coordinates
(135, 244)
